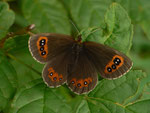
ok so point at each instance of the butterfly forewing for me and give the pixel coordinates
(45, 46)
(109, 62)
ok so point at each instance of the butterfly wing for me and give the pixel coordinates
(83, 76)
(109, 62)
(55, 71)
(45, 46)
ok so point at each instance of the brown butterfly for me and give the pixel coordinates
(76, 63)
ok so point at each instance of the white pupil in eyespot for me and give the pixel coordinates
(85, 83)
(51, 73)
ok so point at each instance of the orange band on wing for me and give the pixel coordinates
(116, 62)
(55, 77)
(42, 46)
(81, 82)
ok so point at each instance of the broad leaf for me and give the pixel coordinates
(106, 98)
(120, 29)
(88, 13)
(121, 90)
(138, 12)
(140, 107)
(36, 97)
(97, 21)
(6, 18)
(47, 15)
(8, 81)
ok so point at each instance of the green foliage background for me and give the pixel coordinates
(124, 26)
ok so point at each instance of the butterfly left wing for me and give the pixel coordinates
(83, 76)
(45, 46)
(109, 62)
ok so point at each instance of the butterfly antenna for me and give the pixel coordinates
(74, 26)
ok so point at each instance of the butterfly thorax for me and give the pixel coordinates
(77, 48)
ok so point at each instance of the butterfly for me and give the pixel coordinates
(76, 63)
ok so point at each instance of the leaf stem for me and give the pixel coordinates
(20, 32)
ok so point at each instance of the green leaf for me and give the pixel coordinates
(88, 13)
(17, 44)
(104, 106)
(36, 97)
(92, 34)
(132, 8)
(122, 95)
(140, 107)
(7, 18)
(8, 81)
(138, 12)
(140, 50)
(27, 68)
(25, 73)
(109, 96)
(47, 15)
(117, 32)
(119, 90)
(120, 29)
(145, 16)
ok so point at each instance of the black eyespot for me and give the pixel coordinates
(42, 48)
(54, 78)
(113, 66)
(43, 53)
(60, 79)
(117, 61)
(51, 73)
(85, 83)
(42, 44)
(109, 69)
(72, 82)
(42, 41)
(78, 84)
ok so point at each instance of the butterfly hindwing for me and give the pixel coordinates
(109, 62)
(55, 71)
(44, 46)
(83, 76)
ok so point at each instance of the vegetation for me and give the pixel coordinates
(124, 25)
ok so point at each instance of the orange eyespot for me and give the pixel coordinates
(86, 82)
(81, 82)
(60, 77)
(50, 72)
(42, 46)
(54, 76)
(73, 81)
(116, 62)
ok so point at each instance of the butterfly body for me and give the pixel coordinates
(76, 63)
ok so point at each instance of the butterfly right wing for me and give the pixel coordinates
(110, 63)
(45, 46)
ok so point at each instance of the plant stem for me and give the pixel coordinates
(20, 32)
